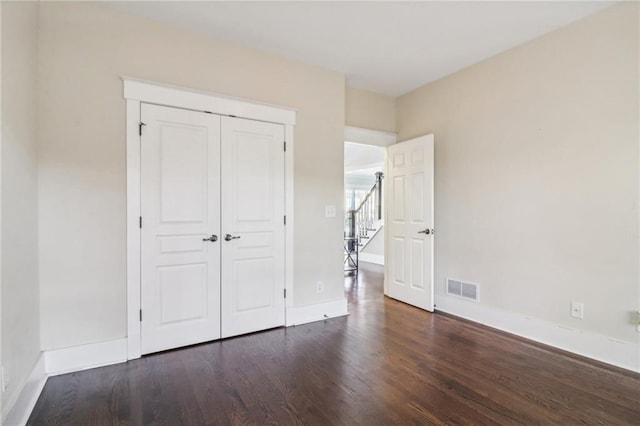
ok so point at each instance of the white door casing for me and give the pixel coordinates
(253, 210)
(180, 154)
(409, 222)
(138, 91)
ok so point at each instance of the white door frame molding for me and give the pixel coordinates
(369, 137)
(138, 91)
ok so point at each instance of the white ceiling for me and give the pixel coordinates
(387, 47)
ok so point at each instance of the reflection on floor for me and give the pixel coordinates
(366, 285)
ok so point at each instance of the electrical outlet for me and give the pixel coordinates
(577, 310)
(320, 286)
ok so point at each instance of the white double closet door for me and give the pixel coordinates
(212, 227)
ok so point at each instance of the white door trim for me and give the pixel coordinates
(182, 97)
(368, 136)
(137, 91)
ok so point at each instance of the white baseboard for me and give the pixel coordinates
(602, 348)
(298, 315)
(598, 347)
(134, 346)
(378, 259)
(19, 410)
(76, 358)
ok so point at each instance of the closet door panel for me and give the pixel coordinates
(253, 223)
(180, 165)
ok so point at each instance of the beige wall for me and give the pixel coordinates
(536, 165)
(84, 48)
(370, 110)
(536, 174)
(20, 301)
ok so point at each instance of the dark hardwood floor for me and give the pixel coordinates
(386, 363)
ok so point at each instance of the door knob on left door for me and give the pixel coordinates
(213, 238)
(230, 237)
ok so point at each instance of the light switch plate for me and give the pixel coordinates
(329, 211)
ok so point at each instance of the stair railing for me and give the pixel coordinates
(370, 209)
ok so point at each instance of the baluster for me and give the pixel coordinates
(369, 210)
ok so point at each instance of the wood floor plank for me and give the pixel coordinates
(386, 363)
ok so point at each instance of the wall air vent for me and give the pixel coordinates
(462, 289)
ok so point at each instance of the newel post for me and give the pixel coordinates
(379, 176)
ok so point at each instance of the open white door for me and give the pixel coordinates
(409, 222)
(253, 267)
(180, 221)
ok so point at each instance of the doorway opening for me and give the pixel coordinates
(407, 215)
(363, 198)
(364, 167)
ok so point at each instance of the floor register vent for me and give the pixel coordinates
(462, 289)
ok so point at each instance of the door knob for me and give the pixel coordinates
(213, 238)
(427, 231)
(230, 237)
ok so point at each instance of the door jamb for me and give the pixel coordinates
(138, 91)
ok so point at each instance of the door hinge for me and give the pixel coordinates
(140, 128)
(285, 219)
(140, 224)
(140, 315)
(285, 146)
(285, 293)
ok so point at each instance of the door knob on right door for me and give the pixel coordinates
(230, 237)
(427, 231)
